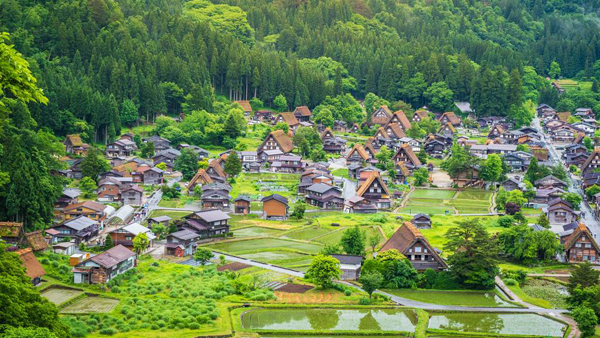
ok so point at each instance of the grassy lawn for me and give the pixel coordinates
(238, 221)
(169, 203)
(569, 84)
(340, 173)
(91, 305)
(308, 233)
(336, 236)
(460, 298)
(171, 213)
(59, 296)
(551, 268)
(433, 193)
(528, 299)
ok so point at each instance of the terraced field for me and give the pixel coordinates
(435, 201)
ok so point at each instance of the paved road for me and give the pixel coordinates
(349, 189)
(586, 212)
(395, 299)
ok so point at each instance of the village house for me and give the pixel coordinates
(215, 196)
(585, 113)
(246, 107)
(12, 233)
(450, 117)
(325, 196)
(420, 115)
(276, 140)
(153, 175)
(408, 157)
(69, 196)
(381, 115)
(64, 248)
(331, 143)
(181, 243)
(74, 145)
(81, 229)
(394, 131)
(132, 194)
(355, 128)
(588, 128)
(103, 267)
(205, 223)
(560, 212)
(515, 162)
(109, 190)
(357, 155)
(581, 246)
(421, 221)
(592, 163)
(164, 220)
(33, 268)
(242, 205)
(275, 207)
(265, 116)
(434, 147)
(376, 191)
(496, 131)
(415, 145)
(447, 130)
(550, 181)
(215, 170)
(90, 209)
(36, 240)
(167, 157)
(249, 159)
(409, 241)
(287, 118)
(576, 159)
(340, 126)
(399, 118)
(312, 176)
(512, 184)
(468, 178)
(563, 134)
(350, 266)
(402, 173)
(160, 143)
(202, 153)
(201, 178)
(543, 196)
(359, 205)
(121, 148)
(302, 113)
(125, 235)
(75, 170)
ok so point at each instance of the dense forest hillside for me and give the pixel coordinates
(94, 58)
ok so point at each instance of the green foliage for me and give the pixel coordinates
(583, 275)
(586, 320)
(554, 71)
(148, 151)
(353, 241)
(473, 262)
(222, 17)
(140, 243)
(88, 187)
(440, 97)
(543, 221)
(307, 139)
(525, 245)
(573, 198)
(591, 191)
(331, 69)
(460, 161)
(324, 270)
(233, 164)
(371, 281)
(491, 170)
(108, 242)
(298, 211)
(203, 255)
(187, 163)
(129, 113)
(94, 164)
(421, 176)
(280, 102)
(341, 107)
(518, 276)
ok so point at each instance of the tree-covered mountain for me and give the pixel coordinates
(94, 58)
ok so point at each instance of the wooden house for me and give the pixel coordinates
(33, 268)
(109, 190)
(340, 126)
(206, 223)
(357, 155)
(167, 157)
(376, 191)
(36, 240)
(409, 241)
(265, 116)
(181, 243)
(581, 246)
(512, 184)
(275, 207)
(402, 172)
(215, 171)
(359, 205)
(325, 196)
(350, 266)
(560, 212)
(80, 228)
(153, 175)
(407, 156)
(242, 205)
(216, 196)
(160, 143)
(74, 145)
(592, 163)
(69, 196)
(288, 164)
(276, 140)
(543, 196)
(164, 220)
(421, 221)
(584, 113)
(447, 130)
(355, 128)
(434, 147)
(93, 210)
(496, 131)
(103, 267)
(468, 178)
(450, 117)
(246, 107)
(12, 233)
(420, 115)
(550, 181)
(302, 114)
(400, 118)
(394, 131)
(381, 115)
(125, 235)
(201, 178)
(287, 118)
(121, 148)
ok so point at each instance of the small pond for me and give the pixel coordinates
(498, 323)
(391, 320)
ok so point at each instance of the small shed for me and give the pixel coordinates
(350, 266)
(275, 207)
(242, 205)
(422, 221)
(64, 248)
(164, 220)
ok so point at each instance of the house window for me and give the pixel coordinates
(578, 245)
(418, 249)
(588, 245)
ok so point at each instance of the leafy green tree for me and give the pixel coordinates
(353, 241)
(515, 89)
(588, 143)
(524, 245)
(373, 242)
(147, 149)
(299, 209)
(28, 309)
(439, 97)
(324, 270)
(371, 281)
(162, 166)
(586, 320)
(233, 164)
(421, 176)
(282, 126)
(280, 102)
(159, 230)
(543, 221)
(473, 262)
(140, 243)
(583, 275)
(591, 191)
(383, 157)
(203, 255)
(554, 71)
(459, 161)
(93, 164)
(573, 198)
(492, 168)
(28, 332)
(129, 113)
(516, 197)
(187, 163)
(422, 155)
(307, 139)
(88, 187)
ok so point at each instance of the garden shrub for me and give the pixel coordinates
(194, 326)
(510, 281)
(364, 301)
(108, 331)
(347, 292)
(518, 275)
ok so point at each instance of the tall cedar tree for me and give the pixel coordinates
(94, 164)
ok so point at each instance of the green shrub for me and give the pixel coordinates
(347, 292)
(194, 326)
(108, 331)
(364, 301)
(510, 281)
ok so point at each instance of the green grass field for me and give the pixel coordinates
(460, 298)
(264, 184)
(448, 202)
(256, 245)
(256, 231)
(340, 173)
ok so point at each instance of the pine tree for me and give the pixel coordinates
(515, 89)
(108, 242)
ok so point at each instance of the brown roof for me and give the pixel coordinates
(451, 117)
(200, 177)
(396, 130)
(404, 122)
(386, 109)
(369, 146)
(564, 116)
(382, 133)
(289, 118)
(327, 131)
(302, 111)
(449, 125)
(282, 139)
(580, 230)
(361, 152)
(31, 264)
(87, 204)
(112, 256)
(410, 153)
(217, 168)
(498, 128)
(10, 229)
(403, 169)
(422, 114)
(75, 140)
(374, 176)
(404, 238)
(245, 105)
(36, 240)
(590, 158)
(579, 138)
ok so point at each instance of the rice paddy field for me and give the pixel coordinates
(256, 232)
(91, 305)
(59, 296)
(258, 185)
(448, 202)
(256, 245)
(497, 323)
(460, 298)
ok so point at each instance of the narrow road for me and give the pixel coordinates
(349, 189)
(396, 299)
